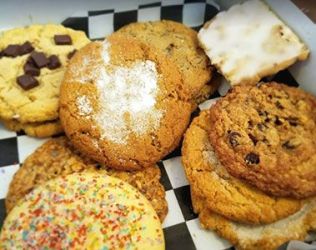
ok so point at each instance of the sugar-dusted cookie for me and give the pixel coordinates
(87, 210)
(263, 237)
(57, 157)
(179, 43)
(123, 104)
(32, 64)
(248, 42)
(213, 188)
(265, 135)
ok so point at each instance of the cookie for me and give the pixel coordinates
(32, 65)
(263, 237)
(212, 187)
(83, 211)
(127, 109)
(179, 43)
(260, 45)
(57, 157)
(265, 135)
(36, 129)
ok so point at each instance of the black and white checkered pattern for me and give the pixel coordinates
(181, 226)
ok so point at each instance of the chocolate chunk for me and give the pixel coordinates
(27, 82)
(253, 138)
(250, 124)
(54, 62)
(279, 105)
(232, 137)
(1, 54)
(267, 120)
(261, 126)
(252, 158)
(262, 113)
(71, 54)
(26, 48)
(293, 121)
(31, 69)
(39, 59)
(12, 50)
(62, 40)
(277, 121)
(288, 145)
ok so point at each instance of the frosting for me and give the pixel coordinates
(249, 39)
(83, 211)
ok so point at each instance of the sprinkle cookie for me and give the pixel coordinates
(123, 104)
(83, 211)
(57, 157)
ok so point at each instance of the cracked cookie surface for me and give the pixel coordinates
(39, 104)
(266, 136)
(179, 43)
(127, 109)
(212, 187)
(57, 157)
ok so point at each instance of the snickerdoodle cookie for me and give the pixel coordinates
(123, 104)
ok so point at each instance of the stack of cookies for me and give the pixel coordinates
(251, 158)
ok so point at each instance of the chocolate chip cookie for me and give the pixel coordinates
(179, 43)
(32, 65)
(265, 135)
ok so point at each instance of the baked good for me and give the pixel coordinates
(32, 64)
(85, 210)
(259, 45)
(57, 157)
(265, 135)
(127, 109)
(179, 43)
(213, 188)
(263, 237)
(40, 129)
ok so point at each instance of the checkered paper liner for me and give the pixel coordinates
(181, 226)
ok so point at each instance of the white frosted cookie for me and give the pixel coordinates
(85, 210)
(249, 42)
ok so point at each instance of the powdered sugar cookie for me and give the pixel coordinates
(123, 104)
